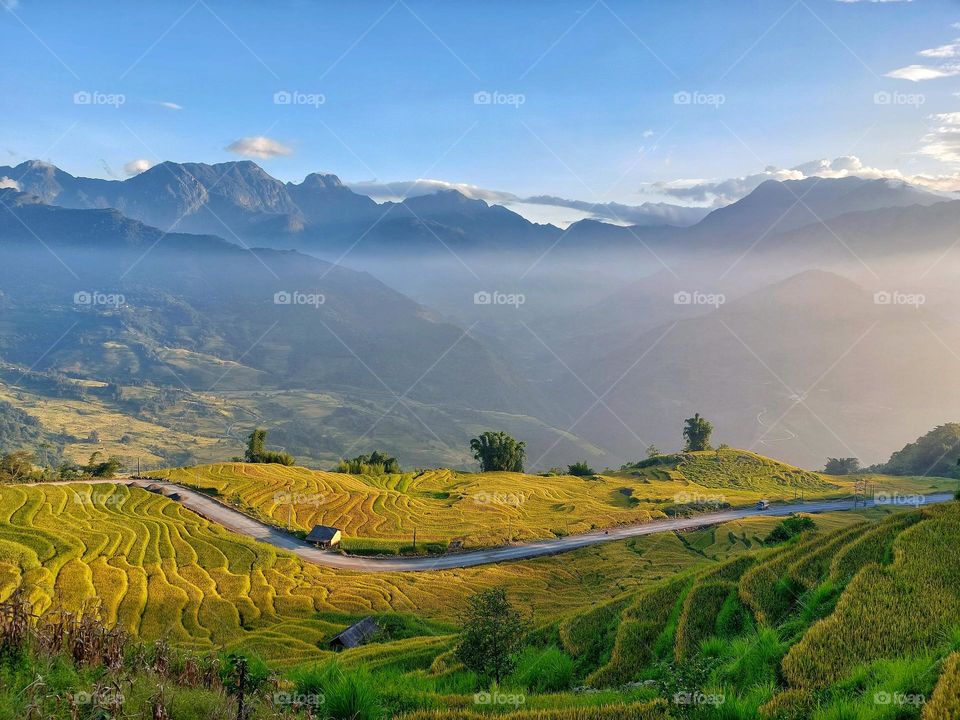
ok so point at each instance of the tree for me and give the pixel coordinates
(492, 634)
(653, 451)
(376, 463)
(696, 432)
(17, 467)
(841, 466)
(256, 452)
(102, 468)
(497, 451)
(580, 469)
(255, 442)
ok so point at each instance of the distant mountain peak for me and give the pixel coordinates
(320, 180)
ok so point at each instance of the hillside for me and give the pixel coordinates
(378, 514)
(709, 612)
(200, 326)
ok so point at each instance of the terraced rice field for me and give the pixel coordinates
(380, 513)
(160, 570)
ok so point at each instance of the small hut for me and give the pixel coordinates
(354, 635)
(324, 536)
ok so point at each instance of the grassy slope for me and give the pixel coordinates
(491, 508)
(161, 570)
(158, 568)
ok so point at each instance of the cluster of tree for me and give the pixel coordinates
(20, 467)
(696, 433)
(842, 466)
(580, 469)
(257, 452)
(376, 463)
(498, 452)
(933, 454)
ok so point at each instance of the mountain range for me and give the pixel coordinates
(204, 313)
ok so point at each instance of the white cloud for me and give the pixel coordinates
(916, 73)
(169, 105)
(723, 192)
(943, 140)
(950, 50)
(258, 146)
(8, 183)
(395, 191)
(919, 72)
(135, 167)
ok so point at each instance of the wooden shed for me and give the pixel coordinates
(324, 536)
(354, 635)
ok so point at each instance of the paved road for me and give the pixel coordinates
(238, 522)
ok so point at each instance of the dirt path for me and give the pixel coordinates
(245, 525)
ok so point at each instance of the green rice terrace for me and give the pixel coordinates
(120, 600)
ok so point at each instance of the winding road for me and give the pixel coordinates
(237, 522)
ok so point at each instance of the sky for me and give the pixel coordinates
(603, 101)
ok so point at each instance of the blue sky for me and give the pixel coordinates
(583, 94)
